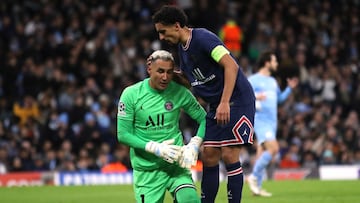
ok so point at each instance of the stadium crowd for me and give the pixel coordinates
(63, 65)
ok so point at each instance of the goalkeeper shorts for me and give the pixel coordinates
(151, 186)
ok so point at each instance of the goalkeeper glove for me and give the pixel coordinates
(190, 153)
(165, 150)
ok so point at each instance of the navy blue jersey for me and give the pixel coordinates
(206, 75)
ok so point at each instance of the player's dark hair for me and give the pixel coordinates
(263, 58)
(169, 15)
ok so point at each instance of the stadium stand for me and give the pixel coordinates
(63, 65)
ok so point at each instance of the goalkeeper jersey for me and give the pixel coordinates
(145, 114)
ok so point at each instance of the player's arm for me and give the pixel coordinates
(222, 56)
(292, 83)
(230, 71)
(180, 78)
(194, 109)
(283, 95)
(125, 119)
(190, 151)
(126, 136)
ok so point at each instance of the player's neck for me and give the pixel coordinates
(264, 71)
(186, 37)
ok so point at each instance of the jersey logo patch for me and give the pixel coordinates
(121, 109)
(169, 105)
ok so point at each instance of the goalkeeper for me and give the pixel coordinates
(148, 121)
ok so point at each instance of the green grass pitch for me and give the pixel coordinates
(283, 192)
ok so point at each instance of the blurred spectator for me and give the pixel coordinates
(51, 163)
(17, 165)
(291, 158)
(39, 163)
(114, 167)
(309, 160)
(245, 65)
(102, 160)
(232, 35)
(26, 109)
(328, 156)
(357, 157)
(3, 160)
(121, 154)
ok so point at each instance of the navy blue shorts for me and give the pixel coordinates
(239, 131)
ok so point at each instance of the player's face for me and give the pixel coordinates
(168, 33)
(161, 73)
(273, 63)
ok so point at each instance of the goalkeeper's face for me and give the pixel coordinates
(161, 73)
(169, 33)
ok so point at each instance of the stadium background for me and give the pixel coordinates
(63, 65)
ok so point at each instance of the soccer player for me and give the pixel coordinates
(148, 122)
(268, 96)
(216, 78)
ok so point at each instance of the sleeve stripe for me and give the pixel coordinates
(218, 52)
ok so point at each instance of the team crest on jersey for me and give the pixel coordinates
(169, 105)
(121, 109)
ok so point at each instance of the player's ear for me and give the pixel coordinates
(177, 25)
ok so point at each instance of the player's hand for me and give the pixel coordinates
(292, 82)
(181, 79)
(190, 153)
(260, 96)
(222, 115)
(165, 150)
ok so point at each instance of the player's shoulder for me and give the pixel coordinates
(254, 76)
(201, 30)
(177, 87)
(256, 79)
(133, 89)
(179, 90)
(134, 86)
(205, 39)
(203, 33)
